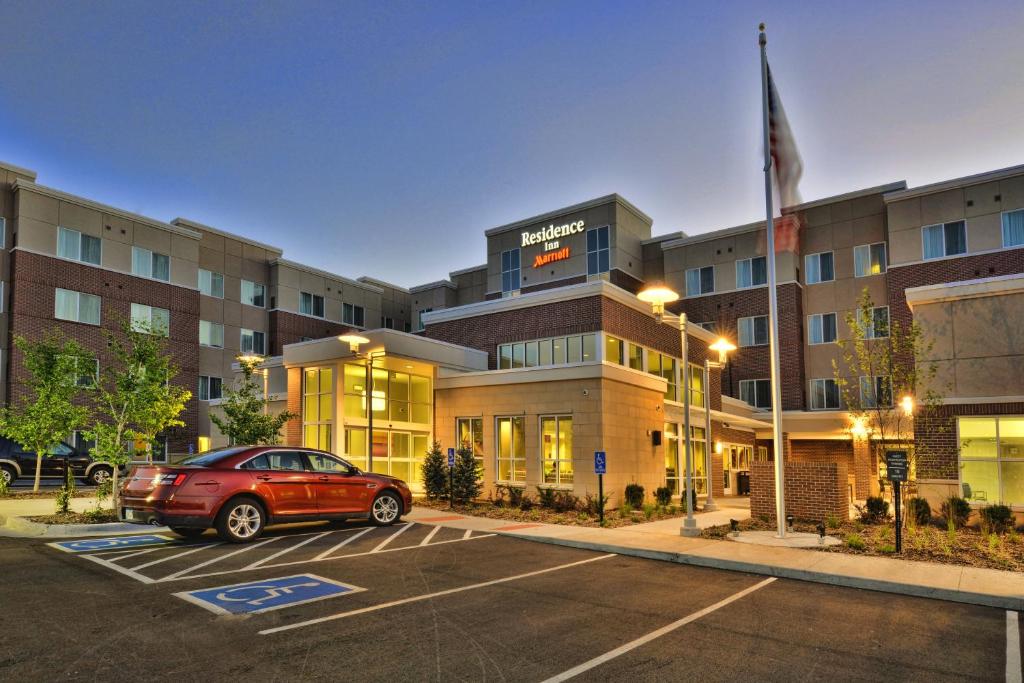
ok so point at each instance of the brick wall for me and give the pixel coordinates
(813, 490)
(289, 328)
(35, 279)
(293, 427)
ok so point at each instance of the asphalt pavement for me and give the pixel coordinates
(420, 602)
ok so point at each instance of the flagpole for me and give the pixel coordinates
(773, 303)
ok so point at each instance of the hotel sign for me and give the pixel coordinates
(549, 236)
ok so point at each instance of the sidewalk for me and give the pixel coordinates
(661, 541)
(14, 510)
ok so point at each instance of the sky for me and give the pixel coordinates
(383, 138)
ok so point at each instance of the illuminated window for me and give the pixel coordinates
(556, 449)
(869, 259)
(317, 408)
(469, 431)
(511, 450)
(992, 459)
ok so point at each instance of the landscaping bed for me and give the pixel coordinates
(535, 513)
(88, 517)
(968, 546)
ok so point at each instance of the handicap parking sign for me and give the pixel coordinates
(600, 462)
(268, 594)
(112, 543)
(451, 457)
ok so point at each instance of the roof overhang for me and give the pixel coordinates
(391, 344)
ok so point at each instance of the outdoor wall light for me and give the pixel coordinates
(859, 429)
(907, 404)
(353, 341)
(789, 522)
(718, 447)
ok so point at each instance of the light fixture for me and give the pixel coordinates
(353, 341)
(658, 296)
(724, 347)
(718, 447)
(907, 404)
(859, 428)
(252, 358)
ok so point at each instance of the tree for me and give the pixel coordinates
(247, 419)
(46, 413)
(136, 399)
(435, 472)
(883, 362)
(466, 485)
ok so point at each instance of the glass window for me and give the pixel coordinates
(253, 294)
(700, 280)
(614, 349)
(72, 244)
(544, 352)
(327, 464)
(76, 306)
(818, 268)
(311, 304)
(511, 449)
(532, 354)
(877, 326)
(211, 284)
(636, 357)
(151, 319)
(355, 391)
(672, 467)
(510, 272)
(753, 331)
(211, 334)
(574, 347)
(598, 259)
(355, 445)
(821, 328)
(317, 408)
(589, 347)
(210, 388)
(150, 264)
(697, 385)
(252, 341)
(869, 259)
(875, 391)
(353, 315)
(698, 458)
(556, 450)
(756, 392)
(992, 459)
(558, 350)
(824, 394)
(944, 239)
(1013, 228)
(518, 355)
(504, 356)
(469, 431)
(751, 272)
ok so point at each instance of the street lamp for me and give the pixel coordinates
(658, 296)
(907, 404)
(723, 346)
(354, 341)
(255, 360)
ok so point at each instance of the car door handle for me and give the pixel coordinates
(263, 477)
(207, 483)
(325, 478)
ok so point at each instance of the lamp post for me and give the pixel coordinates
(658, 296)
(723, 346)
(354, 341)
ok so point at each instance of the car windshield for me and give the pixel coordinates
(211, 457)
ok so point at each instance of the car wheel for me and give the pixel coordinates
(100, 475)
(188, 532)
(8, 474)
(240, 520)
(386, 509)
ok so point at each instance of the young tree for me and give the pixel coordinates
(435, 472)
(885, 362)
(46, 414)
(247, 419)
(136, 399)
(466, 484)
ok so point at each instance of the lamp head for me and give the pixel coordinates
(724, 347)
(907, 404)
(657, 296)
(353, 341)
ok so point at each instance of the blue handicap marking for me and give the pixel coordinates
(451, 457)
(267, 594)
(113, 543)
(600, 462)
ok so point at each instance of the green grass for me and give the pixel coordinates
(855, 541)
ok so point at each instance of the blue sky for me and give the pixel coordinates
(383, 138)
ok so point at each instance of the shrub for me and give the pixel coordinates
(565, 502)
(855, 541)
(435, 473)
(466, 476)
(512, 496)
(832, 521)
(65, 492)
(525, 502)
(919, 510)
(663, 495)
(592, 504)
(625, 510)
(996, 518)
(649, 510)
(875, 510)
(546, 497)
(635, 495)
(888, 549)
(4, 490)
(956, 511)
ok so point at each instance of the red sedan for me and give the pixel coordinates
(241, 489)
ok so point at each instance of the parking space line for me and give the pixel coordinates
(342, 544)
(118, 568)
(465, 536)
(428, 596)
(643, 640)
(244, 549)
(279, 553)
(1013, 670)
(171, 557)
(380, 546)
(122, 555)
(433, 532)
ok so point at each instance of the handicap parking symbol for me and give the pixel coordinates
(113, 543)
(268, 594)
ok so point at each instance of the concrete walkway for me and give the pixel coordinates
(661, 541)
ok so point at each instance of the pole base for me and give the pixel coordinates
(689, 528)
(710, 506)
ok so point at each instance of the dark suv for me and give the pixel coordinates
(16, 462)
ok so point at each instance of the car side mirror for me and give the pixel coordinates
(354, 471)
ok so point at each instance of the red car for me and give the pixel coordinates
(241, 489)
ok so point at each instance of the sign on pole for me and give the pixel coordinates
(896, 472)
(451, 457)
(600, 468)
(600, 462)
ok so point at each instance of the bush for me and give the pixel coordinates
(996, 518)
(635, 495)
(625, 510)
(888, 549)
(546, 497)
(525, 502)
(649, 510)
(66, 492)
(956, 511)
(832, 521)
(919, 510)
(466, 476)
(875, 510)
(4, 490)
(855, 541)
(511, 496)
(663, 495)
(435, 473)
(592, 504)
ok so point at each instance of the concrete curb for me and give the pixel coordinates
(849, 581)
(24, 528)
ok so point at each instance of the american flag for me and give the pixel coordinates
(787, 168)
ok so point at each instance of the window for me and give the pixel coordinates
(877, 326)
(818, 268)
(419, 317)
(353, 315)
(698, 454)
(288, 461)
(317, 408)
(556, 449)
(511, 436)
(397, 396)
(210, 388)
(700, 280)
(824, 394)
(875, 391)
(254, 294)
(992, 459)
(311, 304)
(944, 239)
(3, 232)
(150, 264)
(597, 251)
(387, 323)
(74, 245)
(253, 342)
(510, 273)
(211, 334)
(756, 392)
(211, 284)
(821, 328)
(325, 463)
(76, 306)
(1013, 228)
(636, 357)
(86, 372)
(751, 272)
(697, 385)
(672, 457)
(753, 331)
(869, 259)
(153, 320)
(665, 367)
(469, 431)
(709, 326)
(614, 350)
(542, 352)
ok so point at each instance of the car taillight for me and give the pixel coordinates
(169, 479)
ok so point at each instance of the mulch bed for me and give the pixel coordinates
(539, 515)
(100, 517)
(965, 547)
(21, 494)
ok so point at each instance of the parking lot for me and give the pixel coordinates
(424, 602)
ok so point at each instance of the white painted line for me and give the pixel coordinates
(244, 549)
(429, 536)
(348, 540)
(119, 569)
(380, 546)
(176, 555)
(643, 640)
(466, 536)
(121, 555)
(1013, 670)
(279, 553)
(428, 596)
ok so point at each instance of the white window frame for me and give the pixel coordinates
(754, 384)
(209, 385)
(810, 397)
(471, 420)
(945, 247)
(1002, 228)
(871, 401)
(253, 285)
(885, 259)
(820, 317)
(252, 334)
(152, 327)
(700, 280)
(212, 280)
(750, 271)
(78, 306)
(351, 319)
(753, 331)
(511, 457)
(152, 255)
(61, 229)
(807, 270)
(312, 305)
(213, 337)
(998, 460)
(419, 318)
(558, 483)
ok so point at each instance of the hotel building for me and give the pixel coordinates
(544, 353)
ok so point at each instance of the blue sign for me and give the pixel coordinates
(113, 543)
(267, 594)
(451, 457)
(600, 462)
